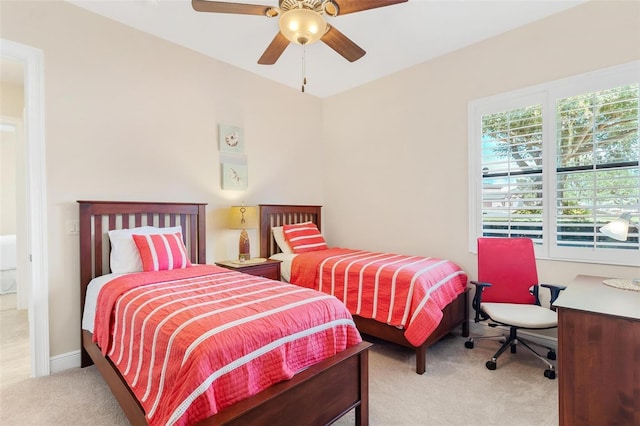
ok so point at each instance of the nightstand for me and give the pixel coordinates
(268, 269)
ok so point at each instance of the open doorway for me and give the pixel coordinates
(14, 286)
(31, 235)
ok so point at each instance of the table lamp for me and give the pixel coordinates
(618, 229)
(243, 217)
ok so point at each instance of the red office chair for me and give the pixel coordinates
(507, 294)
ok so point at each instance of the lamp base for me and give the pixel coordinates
(244, 247)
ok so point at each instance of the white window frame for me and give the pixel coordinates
(545, 94)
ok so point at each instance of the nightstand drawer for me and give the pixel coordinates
(267, 269)
(270, 270)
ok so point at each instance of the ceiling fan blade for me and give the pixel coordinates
(351, 6)
(226, 7)
(341, 44)
(274, 50)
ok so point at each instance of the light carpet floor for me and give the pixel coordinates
(456, 389)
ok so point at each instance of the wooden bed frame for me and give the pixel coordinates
(318, 395)
(455, 314)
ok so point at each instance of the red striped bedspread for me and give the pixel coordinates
(193, 341)
(402, 291)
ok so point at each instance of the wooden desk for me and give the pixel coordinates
(598, 354)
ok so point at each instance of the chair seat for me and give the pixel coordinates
(525, 316)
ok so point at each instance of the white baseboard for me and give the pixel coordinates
(482, 329)
(63, 362)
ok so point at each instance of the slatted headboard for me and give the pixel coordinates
(99, 217)
(281, 214)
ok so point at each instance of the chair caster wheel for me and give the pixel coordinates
(491, 365)
(468, 344)
(551, 355)
(550, 374)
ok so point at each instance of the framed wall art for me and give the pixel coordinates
(234, 176)
(230, 139)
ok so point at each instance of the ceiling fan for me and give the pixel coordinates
(301, 22)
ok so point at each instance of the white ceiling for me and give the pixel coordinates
(394, 37)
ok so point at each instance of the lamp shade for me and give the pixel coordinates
(243, 217)
(302, 26)
(617, 229)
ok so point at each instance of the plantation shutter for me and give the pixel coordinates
(598, 176)
(512, 192)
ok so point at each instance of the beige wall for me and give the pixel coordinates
(14, 182)
(132, 117)
(397, 148)
(12, 100)
(11, 106)
(8, 164)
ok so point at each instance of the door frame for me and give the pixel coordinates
(36, 199)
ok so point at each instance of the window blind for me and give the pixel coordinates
(598, 178)
(512, 202)
(558, 161)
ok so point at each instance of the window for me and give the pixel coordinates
(558, 161)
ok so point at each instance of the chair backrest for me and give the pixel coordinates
(509, 264)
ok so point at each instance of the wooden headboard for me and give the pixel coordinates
(278, 215)
(99, 217)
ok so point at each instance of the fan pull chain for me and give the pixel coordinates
(304, 68)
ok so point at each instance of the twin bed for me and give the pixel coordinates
(453, 307)
(312, 391)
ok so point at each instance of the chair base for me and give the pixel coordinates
(511, 342)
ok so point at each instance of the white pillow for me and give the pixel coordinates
(124, 252)
(285, 266)
(278, 234)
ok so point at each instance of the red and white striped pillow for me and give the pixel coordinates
(161, 252)
(304, 237)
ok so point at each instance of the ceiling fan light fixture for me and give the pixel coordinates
(302, 26)
(330, 8)
(272, 12)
